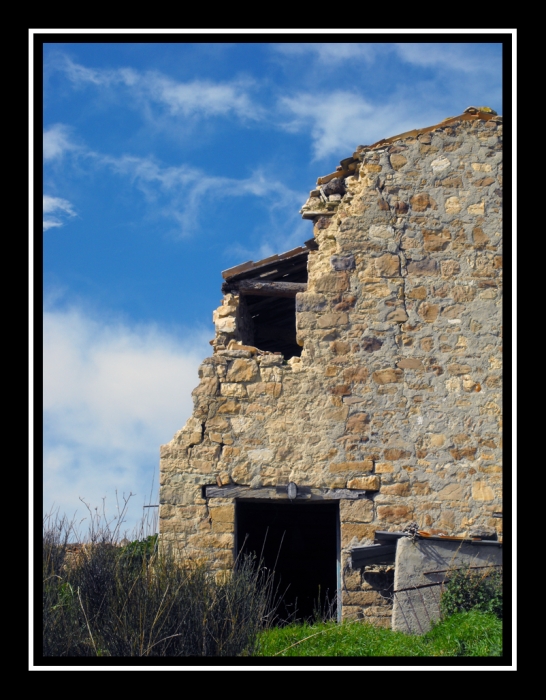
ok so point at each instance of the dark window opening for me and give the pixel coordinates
(300, 543)
(268, 315)
(273, 324)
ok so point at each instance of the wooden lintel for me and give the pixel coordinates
(281, 493)
(269, 289)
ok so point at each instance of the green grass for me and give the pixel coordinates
(470, 633)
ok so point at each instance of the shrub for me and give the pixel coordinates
(469, 589)
(141, 600)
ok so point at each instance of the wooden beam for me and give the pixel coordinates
(281, 493)
(269, 289)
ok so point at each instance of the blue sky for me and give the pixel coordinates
(166, 163)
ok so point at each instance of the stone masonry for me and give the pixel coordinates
(397, 392)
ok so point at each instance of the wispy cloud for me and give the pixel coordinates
(56, 210)
(195, 98)
(341, 120)
(330, 52)
(468, 58)
(182, 192)
(112, 394)
(56, 141)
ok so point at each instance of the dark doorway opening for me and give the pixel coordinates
(300, 542)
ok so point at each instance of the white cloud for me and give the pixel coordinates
(468, 58)
(330, 52)
(113, 394)
(193, 98)
(340, 121)
(183, 191)
(56, 141)
(59, 207)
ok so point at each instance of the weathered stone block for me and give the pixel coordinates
(395, 514)
(388, 376)
(422, 202)
(242, 371)
(334, 282)
(426, 267)
(365, 483)
(363, 466)
(233, 389)
(360, 511)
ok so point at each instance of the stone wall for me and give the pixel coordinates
(398, 389)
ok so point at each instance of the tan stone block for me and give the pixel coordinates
(398, 161)
(233, 389)
(233, 407)
(427, 344)
(332, 320)
(449, 182)
(333, 482)
(223, 479)
(394, 453)
(273, 389)
(357, 423)
(242, 474)
(359, 511)
(463, 293)
(208, 386)
(223, 527)
(341, 390)
(426, 267)
(332, 282)
(225, 514)
(436, 240)
(463, 453)
(417, 293)
(372, 168)
(384, 467)
(420, 488)
(376, 290)
(482, 492)
(242, 370)
(361, 598)
(449, 268)
(387, 265)
(388, 376)
(351, 580)
(452, 492)
(479, 237)
(482, 167)
(339, 347)
(336, 414)
(256, 389)
(410, 363)
(454, 311)
(458, 369)
(358, 530)
(400, 489)
(453, 205)
(398, 315)
(216, 541)
(365, 483)
(477, 209)
(351, 613)
(436, 439)
(394, 514)
(357, 375)
(363, 466)
(422, 201)
(428, 312)
(218, 423)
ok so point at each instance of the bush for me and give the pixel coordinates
(140, 600)
(469, 589)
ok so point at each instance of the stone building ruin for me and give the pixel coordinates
(355, 382)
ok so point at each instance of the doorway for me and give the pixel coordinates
(300, 543)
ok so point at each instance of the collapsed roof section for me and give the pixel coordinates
(267, 290)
